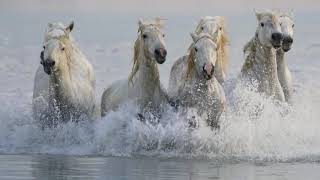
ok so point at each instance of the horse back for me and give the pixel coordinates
(177, 75)
(114, 96)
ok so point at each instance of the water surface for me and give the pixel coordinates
(282, 143)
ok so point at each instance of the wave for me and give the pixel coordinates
(257, 129)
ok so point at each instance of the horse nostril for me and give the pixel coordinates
(160, 52)
(157, 52)
(41, 55)
(208, 69)
(52, 63)
(287, 40)
(277, 36)
(164, 53)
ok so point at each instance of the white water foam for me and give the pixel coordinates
(253, 127)
(257, 129)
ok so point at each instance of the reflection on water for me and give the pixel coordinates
(143, 168)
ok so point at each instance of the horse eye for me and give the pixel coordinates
(44, 47)
(292, 25)
(261, 24)
(144, 36)
(220, 28)
(196, 49)
(62, 49)
(202, 28)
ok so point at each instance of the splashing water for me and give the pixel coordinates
(256, 129)
(252, 128)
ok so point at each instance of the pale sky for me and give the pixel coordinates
(153, 6)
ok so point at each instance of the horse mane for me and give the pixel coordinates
(191, 65)
(286, 15)
(272, 15)
(223, 49)
(70, 49)
(136, 61)
(249, 52)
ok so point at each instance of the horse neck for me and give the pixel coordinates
(281, 61)
(266, 60)
(219, 64)
(147, 77)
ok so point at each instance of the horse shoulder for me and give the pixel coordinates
(116, 94)
(91, 75)
(248, 51)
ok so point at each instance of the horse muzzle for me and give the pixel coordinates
(48, 66)
(160, 55)
(208, 70)
(276, 40)
(287, 43)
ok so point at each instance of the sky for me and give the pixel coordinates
(152, 6)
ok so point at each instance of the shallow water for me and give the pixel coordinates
(281, 143)
(118, 168)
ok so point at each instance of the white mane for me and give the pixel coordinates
(55, 30)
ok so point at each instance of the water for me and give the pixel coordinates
(117, 168)
(272, 146)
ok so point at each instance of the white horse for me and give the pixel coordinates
(260, 67)
(64, 87)
(216, 27)
(143, 86)
(192, 82)
(284, 74)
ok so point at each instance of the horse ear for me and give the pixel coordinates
(194, 37)
(258, 14)
(70, 27)
(159, 22)
(291, 13)
(141, 24)
(202, 19)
